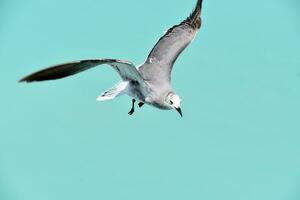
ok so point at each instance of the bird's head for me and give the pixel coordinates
(173, 101)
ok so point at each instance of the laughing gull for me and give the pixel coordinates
(149, 83)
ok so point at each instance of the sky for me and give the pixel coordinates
(239, 82)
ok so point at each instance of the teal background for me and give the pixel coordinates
(239, 81)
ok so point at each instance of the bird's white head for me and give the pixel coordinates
(173, 101)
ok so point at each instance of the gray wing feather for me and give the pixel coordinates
(125, 69)
(162, 57)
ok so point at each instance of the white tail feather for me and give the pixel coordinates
(113, 92)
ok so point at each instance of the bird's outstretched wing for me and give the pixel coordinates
(125, 69)
(164, 54)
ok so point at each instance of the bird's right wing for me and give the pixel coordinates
(162, 57)
(125, 69)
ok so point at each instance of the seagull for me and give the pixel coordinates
(149, 83)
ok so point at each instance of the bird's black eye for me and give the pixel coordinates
(171, 102)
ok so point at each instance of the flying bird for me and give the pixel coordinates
(149, 83)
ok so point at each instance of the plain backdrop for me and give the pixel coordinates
(239, 81)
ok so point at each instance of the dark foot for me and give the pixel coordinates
(141, 104)
(131, 112)
(132, 108)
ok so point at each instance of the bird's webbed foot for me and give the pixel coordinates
(141, 104)
(132, 108)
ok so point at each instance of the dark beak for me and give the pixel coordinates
(179, 111)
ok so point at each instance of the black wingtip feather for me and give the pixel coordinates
(21, 81)
(59, 71)
(67, 69)
(194, 19)
(24, 80)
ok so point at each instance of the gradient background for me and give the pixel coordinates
(239, 81)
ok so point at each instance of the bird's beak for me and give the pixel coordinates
(179, 111)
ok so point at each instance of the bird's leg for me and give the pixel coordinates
(141, 104)
(132, 108)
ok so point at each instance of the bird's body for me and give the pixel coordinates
(150, 83)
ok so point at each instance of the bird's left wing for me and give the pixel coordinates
(125, 69)
(164, 54)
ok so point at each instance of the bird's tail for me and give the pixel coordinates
(114, 92)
